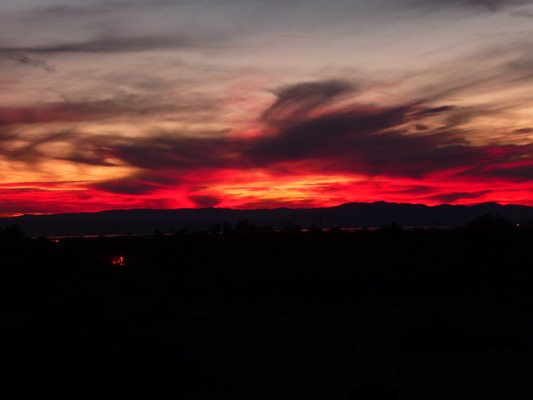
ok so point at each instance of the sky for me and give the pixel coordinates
(123, 104)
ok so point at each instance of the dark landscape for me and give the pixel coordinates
(252, 312)
(351, 215)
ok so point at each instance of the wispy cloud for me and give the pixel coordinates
(23, 59)
(117, 107)
(523, 14)
(67, 11)
(297, 101)
(135, 185)
(489, 5)
(109, 44)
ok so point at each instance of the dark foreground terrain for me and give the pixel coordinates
(256, 314)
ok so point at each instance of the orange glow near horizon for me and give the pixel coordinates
(261, 190)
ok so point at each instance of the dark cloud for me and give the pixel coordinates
(30, 152)
(62, 11)
(489, 5)
(178, 153)
(523, 14)
(373, 142)
(205, 201)
(156, 153)
(118, 107)
(89, 152)
(21, 58)
(460, 118)
(296, 101)
(129, 186)
(453, 116)
(279, 202)
(6, 135)
(75, 111)
(327, 135)
(436, 110)
(108, 45)
(516, 168)
(77, 148)
(448, 198)
(492, 5)
(139, 184)
(411, 189)
(522, 173)
(523, 130)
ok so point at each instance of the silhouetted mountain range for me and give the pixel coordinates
(350, 215)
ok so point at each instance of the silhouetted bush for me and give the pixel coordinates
(489, 222)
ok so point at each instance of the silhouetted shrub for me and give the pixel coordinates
(489, 222)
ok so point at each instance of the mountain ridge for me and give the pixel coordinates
(347, 215)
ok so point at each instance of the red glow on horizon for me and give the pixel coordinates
(257, 190)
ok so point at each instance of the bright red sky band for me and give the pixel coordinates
(263, 104)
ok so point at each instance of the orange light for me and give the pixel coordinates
(117, 260)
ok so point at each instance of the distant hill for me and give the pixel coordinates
(350, 215)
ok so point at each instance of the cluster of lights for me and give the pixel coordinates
(117, 261)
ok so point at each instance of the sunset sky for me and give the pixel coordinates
(263, 103)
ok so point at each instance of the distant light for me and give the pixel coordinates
(117, 260)
(517, 224)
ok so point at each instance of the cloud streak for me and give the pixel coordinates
(23, 59)
(489, 5)
(297, 101)
(117, 107)
(107, 45)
